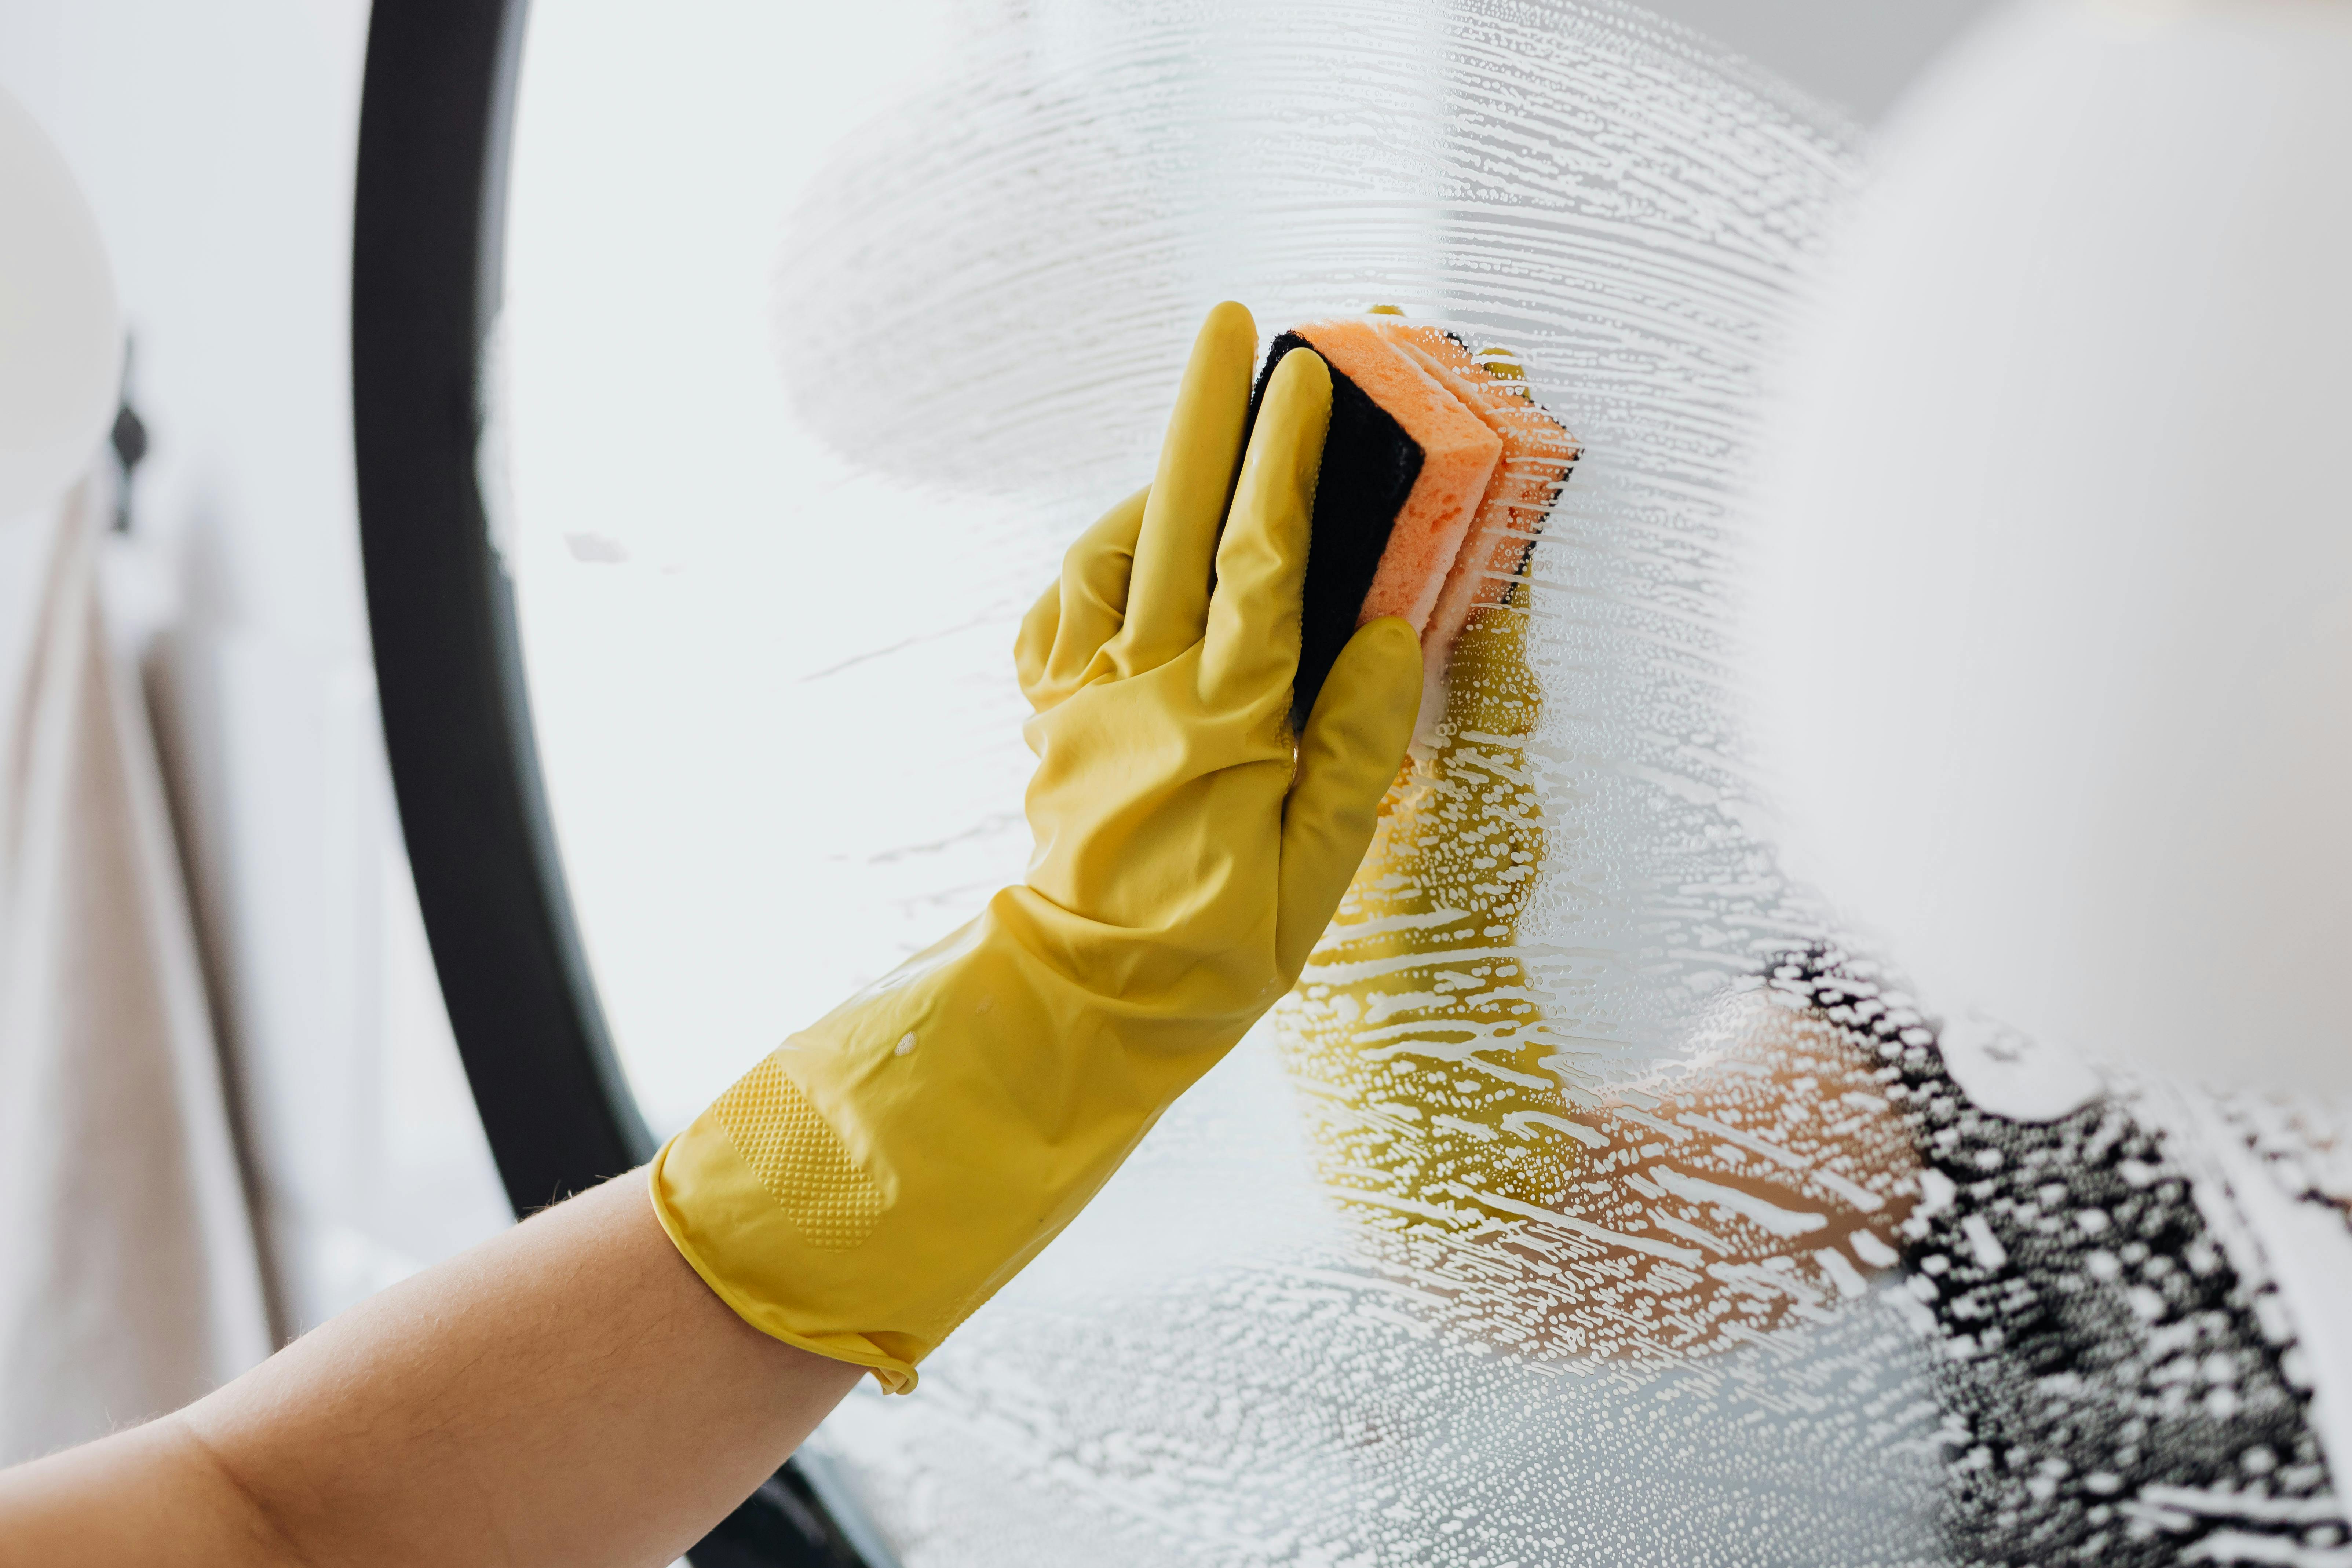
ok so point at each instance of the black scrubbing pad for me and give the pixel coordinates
(1370, 465)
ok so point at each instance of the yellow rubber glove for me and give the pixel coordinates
(882, 1173)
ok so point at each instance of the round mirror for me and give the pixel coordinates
(1589, 1200)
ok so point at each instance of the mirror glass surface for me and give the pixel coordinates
(1591, 1202)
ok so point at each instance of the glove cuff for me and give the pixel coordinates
(875, 1179)
(738, 1239)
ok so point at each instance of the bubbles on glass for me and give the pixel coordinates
(1594, 1198)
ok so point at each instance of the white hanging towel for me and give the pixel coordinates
(128, 1276)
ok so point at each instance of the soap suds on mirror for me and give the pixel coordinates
(1593, 1200)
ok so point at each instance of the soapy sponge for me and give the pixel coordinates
(1537, 453)
(1436, 476)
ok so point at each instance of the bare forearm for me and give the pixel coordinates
(568, 1394)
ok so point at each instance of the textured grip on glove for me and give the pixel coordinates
(798, 1158)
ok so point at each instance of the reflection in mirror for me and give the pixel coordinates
(1596, 1197)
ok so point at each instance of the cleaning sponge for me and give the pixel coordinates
(1538, 453)
(1436, 476)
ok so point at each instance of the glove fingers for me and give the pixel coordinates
(1253, 637)
(1083, 610)
(1169, 600)
(1347, 756)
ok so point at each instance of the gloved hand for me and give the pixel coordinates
(883, 1172)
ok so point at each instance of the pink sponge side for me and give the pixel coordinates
(1537, 454)
(1459, 454)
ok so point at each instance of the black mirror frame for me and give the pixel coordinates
(426, 264)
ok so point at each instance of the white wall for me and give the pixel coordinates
(216, 143)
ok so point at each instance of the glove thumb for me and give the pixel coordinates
(1347, 756)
